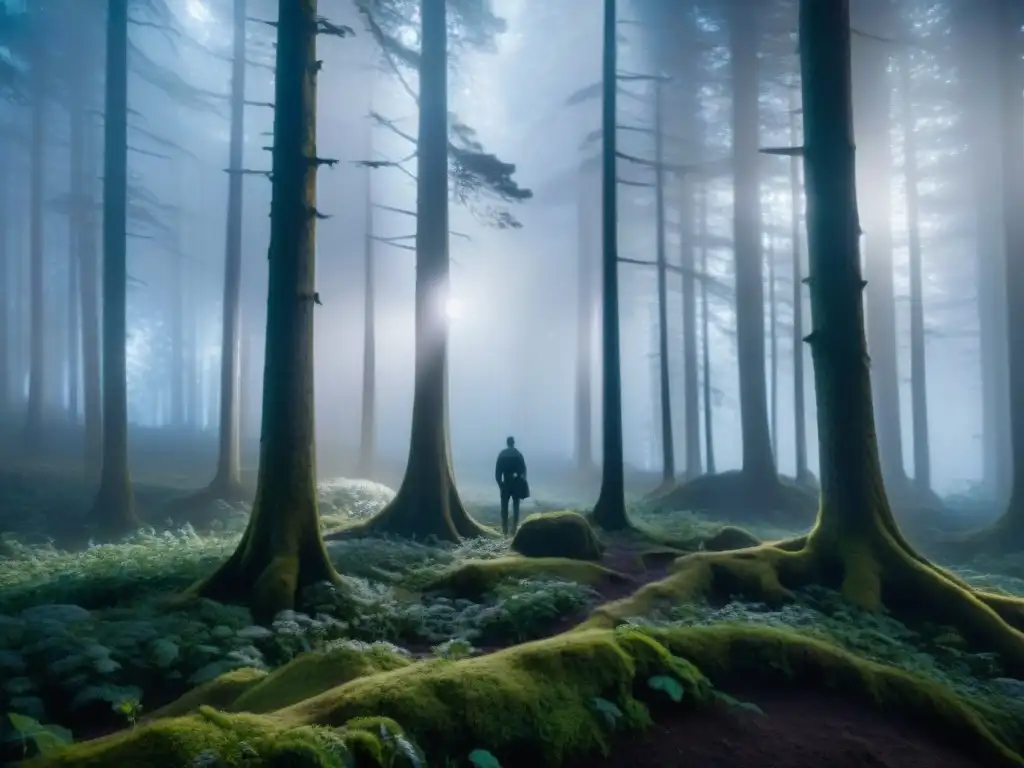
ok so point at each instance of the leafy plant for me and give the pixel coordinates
(481, 758)
(667, 685)
(609, 710)
(47, 739)
(130, 708)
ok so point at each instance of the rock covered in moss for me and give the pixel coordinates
(557, 534)
(730, 537)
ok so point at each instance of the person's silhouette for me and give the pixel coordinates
(510, 475)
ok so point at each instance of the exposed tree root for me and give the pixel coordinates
(412, 515)
(278, 557)
(872, 570)
(738, 496)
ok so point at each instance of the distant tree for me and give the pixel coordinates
(282, 550)
(113, 509)
(227, 483)
(428, 502)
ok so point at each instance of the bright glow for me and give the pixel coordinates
(197, 11)
(453, 310)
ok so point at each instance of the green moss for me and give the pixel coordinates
(538, 702)
(473, 578)
(533, 702)
(312, 673)
(170, 743)
(730, 537)
(219, 693)
(557, 534)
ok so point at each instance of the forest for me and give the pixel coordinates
(735, 282)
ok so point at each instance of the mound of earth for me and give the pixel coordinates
(796, 730)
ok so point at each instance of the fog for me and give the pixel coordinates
(514, 307)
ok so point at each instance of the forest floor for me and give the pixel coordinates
(88, 644)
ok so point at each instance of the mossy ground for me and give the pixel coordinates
(86, 629)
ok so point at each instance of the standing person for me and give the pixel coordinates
(510, 475)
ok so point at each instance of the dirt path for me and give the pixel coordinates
(798, 730)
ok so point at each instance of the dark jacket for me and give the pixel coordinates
(510, 473)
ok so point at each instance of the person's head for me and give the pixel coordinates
(510, 442)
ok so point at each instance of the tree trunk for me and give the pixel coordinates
(367, 425)
(427, 502)
(6, 286)
(773, 345)
(796, 199)
(705, 337)
(89, 301)
(114, 508)
(668, 453)
(76, 234)
(282, 551)
(227, 483)
(584, 325)
(37, 182)
(874, 169)
(918, 370)
(758, 460)
(978, 27)
(610, 510)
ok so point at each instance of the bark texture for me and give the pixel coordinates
(282, 550)
(610, 509)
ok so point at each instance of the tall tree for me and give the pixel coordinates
(89, 304)
(427, 502)
(282, 550)
(5, 272)
(368, 415)
(795, 234)
(773, 345)
(610, 509)
(918, 370)
(873, 97)
(668, 452)
(37, 182)
(976, 27)
(856, 545)
(584, 320)
(227, 483)
(705, 338)
(113, 509)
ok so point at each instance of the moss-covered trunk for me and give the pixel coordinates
(282, 550)
(584, 323)
(758, 460)
(918, 370)
(610, 510)
(368, 413)
(872, 95)
(427, 502)
(37, 181)
(668, 451)
(227, 483)
(113, 509)
(795, 234)
(705, 336)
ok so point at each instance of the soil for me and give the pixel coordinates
(799, 729)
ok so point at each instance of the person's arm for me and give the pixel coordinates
(497, 470)
(522, 466)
